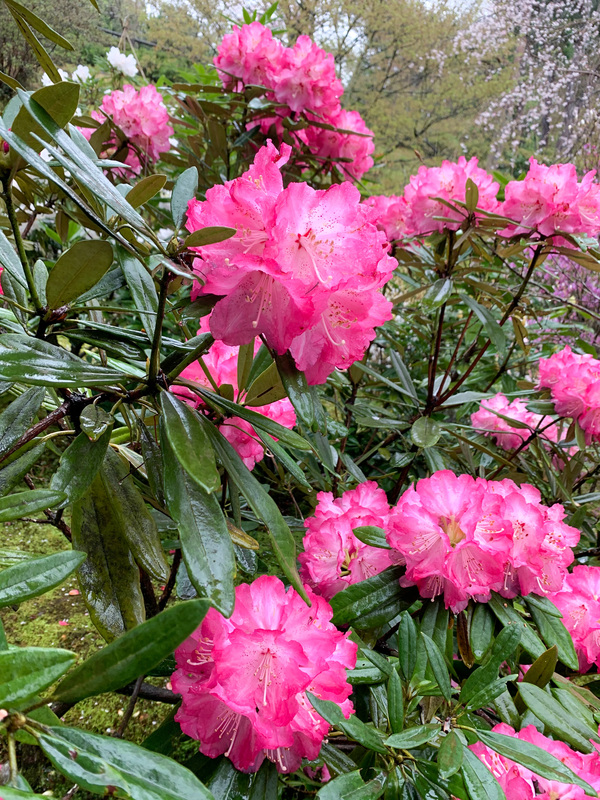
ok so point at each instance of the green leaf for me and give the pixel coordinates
(554, 633)
(482, 630)
(264, 782)
(556, 719)
(77, 270)
(266, 388)
(145, 190)
(79, 465)
(142, 288)
(14, 471)
(35, 576)
(438, 293)
(337, 788)
(506, 643)
(97, 762)
(17, 418)
(10, 261)
(371, 535)
(404, 376)
(540, 673)
(212, 235)
(425, 432)
(471, 195)
(94, 422)
(488, 694)
(280, 454)
(450, 755)
(372, 790)
(479, 781)
(39, 50)
(438, 666)
(507, 615)
(485, 316)
(395, 700)
(109, 578)
(373, 602)
(303, 397)
(39, 25)
(26, 671)
(353, 727)
(226, 782)
(133, 654)
(265, 508)
(59, 100)
(22, 504)
(183, 191)
(534, 758)
(205, 541)
(407, 645)
(244, 364)
(413, 737)
(189, 442)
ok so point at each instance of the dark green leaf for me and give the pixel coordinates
(133, 654)
(371, 535)
(479, 781)
(370, 791)
(481, 631)
(264, 783)
(407, 645)
(189, 442)
(22, 504)
(505, 644)
(488, 694)
(540, 672)
(77, 270)
(79, 465)
(244, 364)
(556, 719)
(413, 737)
(10, 261)
(425, 432)
(280, 454)
(94, 422)
(205, 541)
(485, 316)
(395, 699)
(507, 615)
(372, 602)
(97, 762)
(438, 666)
(142, 288)
(554, 633)
(206, 236)
(145, 190)
(15, 470)
(59, 100)
(352, 727)
(35, 576)
(183, 191)
(335, 789)
(266, 388)
(450, 755)
(26, 671)
(17, 418)
(303, 397)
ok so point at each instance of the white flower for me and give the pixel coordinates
(47, 80)
(121, 62)
(82, 74)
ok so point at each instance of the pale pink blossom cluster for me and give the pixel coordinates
(243, 680)
(574, 383)
(304, 269)
(579, 603)
(520, 783)
(390, 214)
(333, 556)
(302, 80)
(487, 420)
(550, 200)
(144, 120)
(459, 537)
(221, 361)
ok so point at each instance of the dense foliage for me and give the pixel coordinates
(325, 464)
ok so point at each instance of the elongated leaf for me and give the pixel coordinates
(13, 472)
(556, 719)
(183, 191)
(413, 737)
(352, 727)
(17, 418)
(266, 388)
(97, 762)
(26, 671)
(205, 541)
(142, 288)
(59, 100)
(22, 504)
(133, 654)
(340, 786)
(109, 578)
(145, 190)
(371, 535)
(450, 755)
(533, 758)
(10, 261)
(505, 644)
(554, 633)
(39, 50)
(79, 465)
(404, 376)
(540, 672)
(507, 615)
(77, 270)
(407, 645)
(35, 576)
(263, 506)
(264, 783)
(372, 602)
(438, 667)
(189, 442)
(303, 397)
(211, 235)
(481, 631)
(280, 454)
(39, 25)
(395, 702)
(479, 781)
(485, 316)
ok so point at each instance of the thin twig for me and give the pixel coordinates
(170, 584)
(130, 708)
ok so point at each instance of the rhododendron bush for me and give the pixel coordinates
(325, 461)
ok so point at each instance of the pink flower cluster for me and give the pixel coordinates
(574, 383)
(464, 538)
(301, 79)
(390, 215)
(243, 680)
(144, 120)
(459, 537)
(333, 556)
(304, 269)
(551, 200)
(520, 783)
(579, 603)
(222, 361)
(505, 435)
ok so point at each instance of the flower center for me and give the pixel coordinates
(452, 529)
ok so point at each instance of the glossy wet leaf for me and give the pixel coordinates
(371, 535)
(77, 270)
(79, 464)
(14, 471)
(19, 415)
(557, 720)
(450, 755)
(371, 602)
(353, 727)
(211, 235)
(183, 191)
(22, 504)
(26, 671)
(35, 576)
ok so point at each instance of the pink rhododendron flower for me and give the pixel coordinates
(352, 151)
(579, 602)
(144, 120)
(464, 537)
(390, 214)
(250, 55)
(550, 200)
(307, 79)
(502, 432)
(304, 269)
(243, 680)
(574, 383)
(333, 556)
(447, 182)
(221, 362)
(520, 783)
